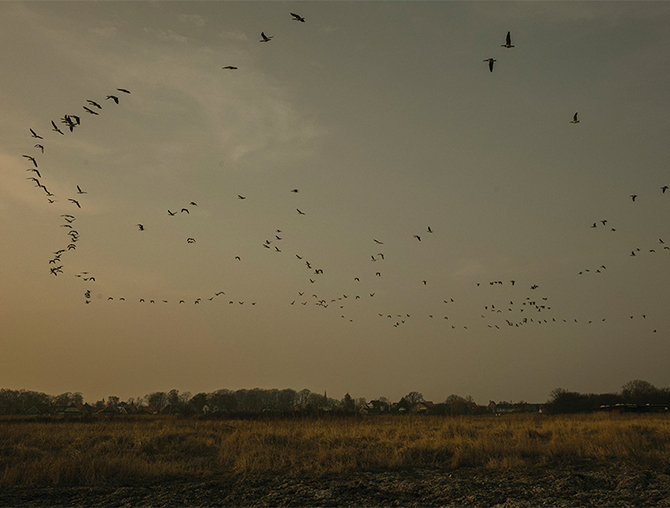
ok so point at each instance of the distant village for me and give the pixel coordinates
(635, 396)
(245, 403)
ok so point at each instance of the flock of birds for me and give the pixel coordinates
(508, 303)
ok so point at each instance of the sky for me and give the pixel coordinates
(426, 184)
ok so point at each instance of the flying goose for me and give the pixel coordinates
(56, 129)
(508, 42)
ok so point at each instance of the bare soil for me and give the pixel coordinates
(612, 485)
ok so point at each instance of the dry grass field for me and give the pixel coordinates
(149, 450)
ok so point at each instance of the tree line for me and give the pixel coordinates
(287, 400)
(634, 393)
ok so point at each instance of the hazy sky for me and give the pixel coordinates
(385, 117)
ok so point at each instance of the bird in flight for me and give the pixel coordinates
(90, 111)
(417, 237)
(67, 120)
(490, 61)
(79, 191)
(377, 241)
(75, 202)
(231, 67)
(93, 103)
(574, 119)
(123, 90)
(190, 240)
(113, 97)
(663, 189)
(265, 38)
(508, 42)
(35, 135)
(297, 17)
(141, 227)
(633, 196)
(294, 190)
(171, 214)
(241, 197)
(300, 212)
(41, 147)
(32, 159)
(56, 129)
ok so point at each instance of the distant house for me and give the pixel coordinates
(635, 408)
(170, 409)
(86, 409)
(72, 410)
(107, 411)
(375, 407)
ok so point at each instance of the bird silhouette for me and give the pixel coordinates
(297, 17)
(265, 38)
(35, 135)
(88, 110)
(56, 129)
(75, 202)
(79, 191)
(633, 196)
(574, 119)
(32, 159)
(230, 67)
(113, 97)
(93, 103)
(123, 90)
(508, 42)
(490, 61)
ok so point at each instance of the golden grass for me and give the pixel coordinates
(156, 449)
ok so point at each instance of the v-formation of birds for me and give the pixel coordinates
(513, 313)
